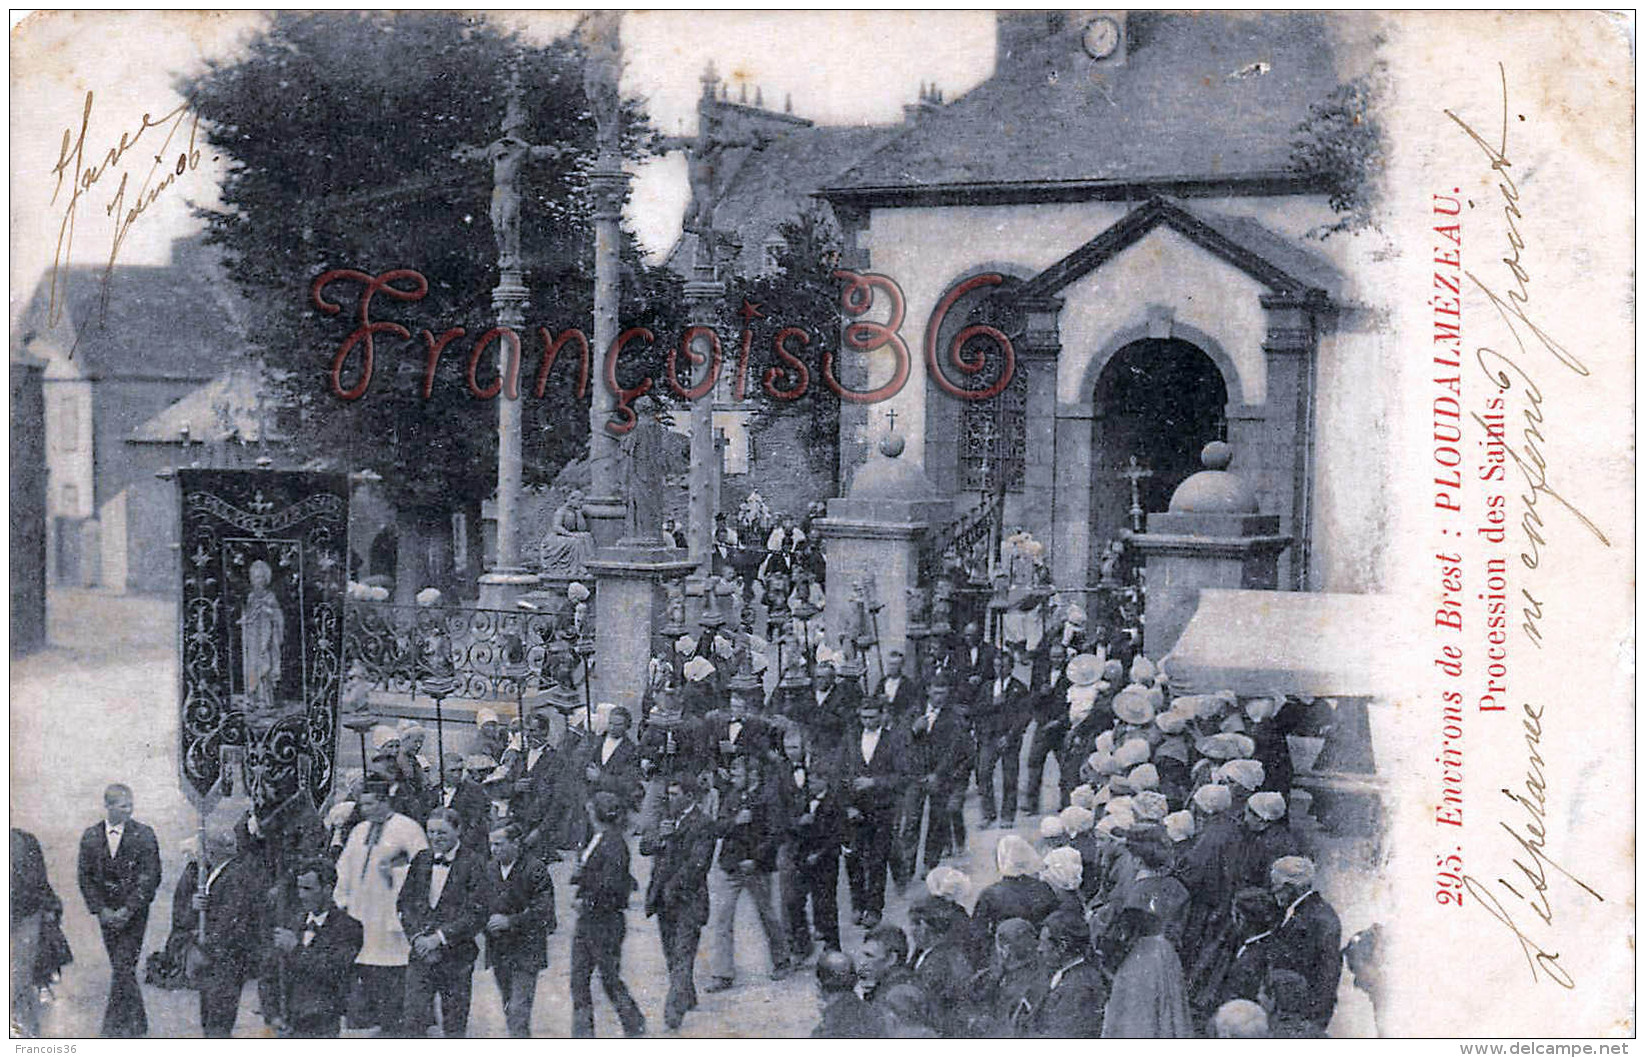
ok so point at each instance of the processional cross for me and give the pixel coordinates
(1135, 473)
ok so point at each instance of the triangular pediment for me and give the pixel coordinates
(1265, 256)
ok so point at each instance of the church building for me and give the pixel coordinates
(1167, 272)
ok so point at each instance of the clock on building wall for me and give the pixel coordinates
(1102, 37)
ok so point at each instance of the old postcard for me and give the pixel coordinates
(841, 524)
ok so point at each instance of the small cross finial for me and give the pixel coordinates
(891, 419)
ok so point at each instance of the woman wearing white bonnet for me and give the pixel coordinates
(1077, 819)
(1052, 833)
(948, 883)
(1143, 777)
(1083, 797)
(1244, 772)
(1134, 705)
(1063, 871)
(1179, 826)
(1150, 806)
(1211, 800)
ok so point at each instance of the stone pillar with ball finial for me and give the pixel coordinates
(874, 533)
(1211, 536)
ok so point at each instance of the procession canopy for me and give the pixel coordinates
(1310, 644)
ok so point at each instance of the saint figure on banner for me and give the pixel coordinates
(262, 640)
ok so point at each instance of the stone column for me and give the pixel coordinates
(1281, 469)
(505, 582)
(703, 296)
(603, 508)
(1037, 355)
(1071, 529)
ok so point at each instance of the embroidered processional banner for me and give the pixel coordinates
(264, 568)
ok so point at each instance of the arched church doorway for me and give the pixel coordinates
(1159, 400)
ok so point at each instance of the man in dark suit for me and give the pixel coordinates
(1308, 939)
(1050, 697)
(458, 793)
(538, 801)
(832, 708)
(119, 874)
(443, 906)
(939, 761)
(603, 886)
(816, 834)
(870, 766)
(898, 694)
(612, 763)
(999, 716)
(232, 901)
(316, 947)
(521, 904)
(1076, 993)
(682, 848)
(972, 663)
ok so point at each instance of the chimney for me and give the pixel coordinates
(1016, 32)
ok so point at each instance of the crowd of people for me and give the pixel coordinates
(1163, 892)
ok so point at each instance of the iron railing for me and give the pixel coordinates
(487, 655)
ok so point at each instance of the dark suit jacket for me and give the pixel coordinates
(526, 896)
(237, 910)
(1009, 715)
(317, 977)
(1074, 1008)
(472, 806)
(682, 748)
(619, 775)
(834, 714)
(944, 975)
(758, 839)
(1051, 698)
(603, 882)
(959, 662)
(847, 1017)
(1311, 944)
(128, 880)
(756, 737)
(679, 868)
(909, 698)
(887, 770)
(31, 890)
(946, 749)
(462, 908)
(823, 833)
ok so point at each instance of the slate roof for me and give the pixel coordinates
(224, 409)
(163, 321)
(775, 183)
(1186, 104)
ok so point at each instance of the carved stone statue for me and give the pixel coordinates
(568, 546)
(643, 476)
(262, 640)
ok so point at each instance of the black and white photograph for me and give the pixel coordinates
(1039, 524)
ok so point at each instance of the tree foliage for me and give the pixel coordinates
(801, 292)
(1340, 144)
(340, 129)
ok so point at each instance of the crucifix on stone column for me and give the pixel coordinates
(1135, 473)
(508, 155)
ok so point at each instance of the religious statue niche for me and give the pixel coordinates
(264, 574)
